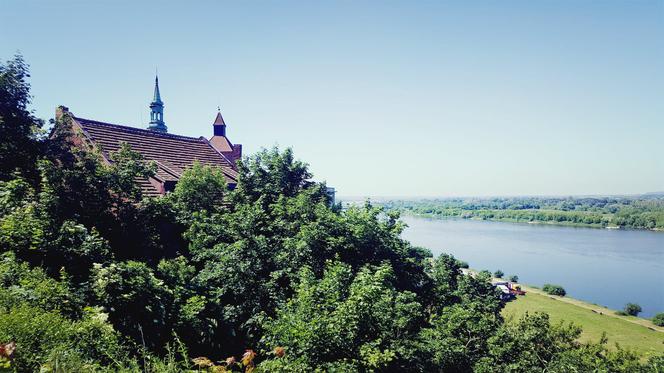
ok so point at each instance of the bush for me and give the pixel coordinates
(554, 290)
(514, 278)
(463, 264)
(632, 309)
(498, 274)
(658, 319)
(41, 336)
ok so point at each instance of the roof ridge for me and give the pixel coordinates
(141, 130)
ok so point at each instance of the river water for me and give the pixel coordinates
(601, 266)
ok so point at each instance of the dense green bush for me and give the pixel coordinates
(632, 309)
(554, 290)
(498, 274)
(658, 319)
(514, 278)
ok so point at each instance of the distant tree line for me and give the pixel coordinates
(644, 212)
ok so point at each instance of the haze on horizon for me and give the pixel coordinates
(390, 98)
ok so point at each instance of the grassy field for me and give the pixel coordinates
(630, 332)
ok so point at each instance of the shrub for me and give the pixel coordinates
(43, 336)
(632, 309)
(499, 274)
(514, 278)
(658, 319)
(554, 290)
(463, 264)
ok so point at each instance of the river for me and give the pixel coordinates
(601, 266)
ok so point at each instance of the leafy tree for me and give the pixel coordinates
(458, 337)
(20, 144)
(658, 319)
(45, 317)
(200, 188)
(269, 174)
(344, 322)
(445, 275)
(499, 274)
(514, 278)
(632, 309)
(554, 290)
(136, 300)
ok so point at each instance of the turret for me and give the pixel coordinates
(157, 110)
(219, 125)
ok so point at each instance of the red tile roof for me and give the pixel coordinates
(172, 153)
(221, 143)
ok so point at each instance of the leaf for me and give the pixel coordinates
(248, 357)
(7, 350)
(202, 362)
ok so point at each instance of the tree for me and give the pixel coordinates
(554, 290)
(20, 144)
(632, 309)
(514, 278)
(201, 187)
(136, 300)
(658, 319)
(269, 174)
(341, 321)
(499, 274)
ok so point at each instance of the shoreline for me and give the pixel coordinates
(600, 310)
(533, 222)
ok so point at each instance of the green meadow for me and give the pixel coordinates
(633, 333)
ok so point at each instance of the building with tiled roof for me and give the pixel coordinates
(171, 153)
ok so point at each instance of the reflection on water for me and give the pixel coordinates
(606, 267)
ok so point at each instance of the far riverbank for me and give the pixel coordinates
(525, 221)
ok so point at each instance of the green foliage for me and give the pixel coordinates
(498, 274)
(127, 165)
(135, 299)
(530, 344)
(458, 336)
(554, 290)
(463, 264)
(45, 317)
(20, 144)
(445, 275)
(361, 322)
(200, 188)
(644, 212)
(658, 319)
(514, 278)
(632, 309)
(269, 174)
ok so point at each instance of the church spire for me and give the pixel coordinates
(157, 110)
(157, 96)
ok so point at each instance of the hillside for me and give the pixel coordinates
(629, 332)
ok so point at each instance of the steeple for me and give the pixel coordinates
(219, 125)
(157, 96)
(157, 110)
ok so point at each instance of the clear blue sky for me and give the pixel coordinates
(379, 97)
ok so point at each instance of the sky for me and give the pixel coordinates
(381, 98)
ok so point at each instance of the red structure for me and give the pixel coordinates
(220, 142)
(172, 153)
